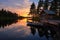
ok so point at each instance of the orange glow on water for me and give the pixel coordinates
(22, 22)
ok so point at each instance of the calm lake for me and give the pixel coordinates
(19, 30)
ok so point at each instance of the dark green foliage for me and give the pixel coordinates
(7, 15)
(39, 5)
(54, 5)
(7, 18)
(46, 4)
(32, 6)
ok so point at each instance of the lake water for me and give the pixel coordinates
(19, 30)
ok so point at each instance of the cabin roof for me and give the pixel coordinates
(49, 12)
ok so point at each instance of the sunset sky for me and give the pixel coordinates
(21, 7)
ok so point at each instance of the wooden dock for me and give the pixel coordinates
(45, 23)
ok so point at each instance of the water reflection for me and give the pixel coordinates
(19, 30)
(50, 32)
(33, 30)
(4, 23)
(15, 31)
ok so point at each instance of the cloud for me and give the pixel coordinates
(18, 6)
(17, 3)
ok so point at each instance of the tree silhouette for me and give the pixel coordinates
(7, 18)
(33, 30)
(39, 5)
(7, 14)
(33, 9)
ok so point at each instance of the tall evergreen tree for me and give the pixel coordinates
(46, 4)
(39, 5)
(33, 8)
(54, 5)
(58, 7)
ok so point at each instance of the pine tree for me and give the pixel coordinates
(46, 4)
(39, 5)
(55, 6)
(33, 8)
(58, 7)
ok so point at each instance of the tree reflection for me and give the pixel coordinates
(47, 31)
(4, 23)
(40, 31)
(33, 30)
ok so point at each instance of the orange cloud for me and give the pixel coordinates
(20, 12)
(20, 7)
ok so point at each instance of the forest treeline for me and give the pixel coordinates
(7, 14)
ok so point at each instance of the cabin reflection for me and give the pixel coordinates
(48, 30)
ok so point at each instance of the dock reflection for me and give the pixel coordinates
(46, 30)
